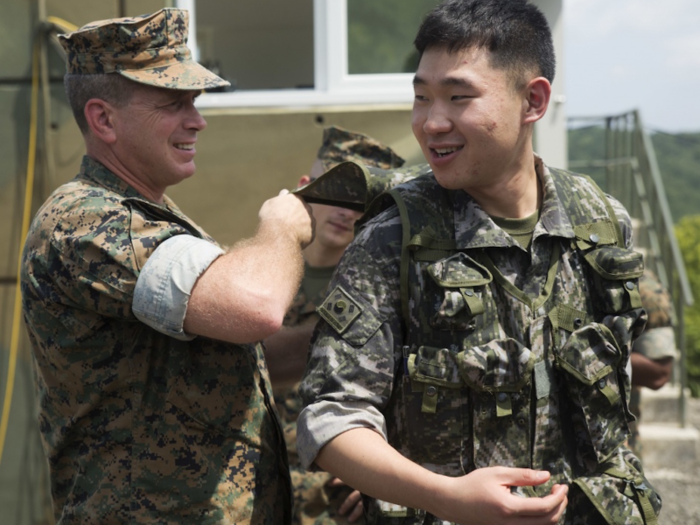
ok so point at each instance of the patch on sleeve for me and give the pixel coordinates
(339, 309)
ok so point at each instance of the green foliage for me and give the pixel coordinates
(380, 34)
(678, 156)
(688, 235)
(679, 162)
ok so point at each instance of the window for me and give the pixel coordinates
(307, 52)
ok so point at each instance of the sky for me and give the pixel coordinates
(634, 54)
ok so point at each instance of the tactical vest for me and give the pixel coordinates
(469, 394)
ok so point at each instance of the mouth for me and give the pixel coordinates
(444, 152)
(189, 146)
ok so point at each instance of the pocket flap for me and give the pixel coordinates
(499, 366)
(459, 271)
(588, 354)
(615, 263)
(434, 366)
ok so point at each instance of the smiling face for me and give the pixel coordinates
(156, 134)
(468, 118)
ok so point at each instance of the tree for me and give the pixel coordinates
(688, 235)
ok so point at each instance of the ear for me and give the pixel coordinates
(303, 181)
(100, 118)
(536, 102)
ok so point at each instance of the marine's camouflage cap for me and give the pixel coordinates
(149, 49)
(340, 145)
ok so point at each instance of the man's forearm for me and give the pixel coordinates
(243, 296)
(363, 460)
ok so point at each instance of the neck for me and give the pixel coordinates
(516, 192)
(320, 256)
(105, 157)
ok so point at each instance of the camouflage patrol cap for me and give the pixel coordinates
(340, 145)
(149, 49)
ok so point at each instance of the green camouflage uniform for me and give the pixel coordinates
(315, 503)
(139, 427)
(656, 342)
(495, 356)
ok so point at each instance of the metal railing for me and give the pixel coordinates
(633, 177)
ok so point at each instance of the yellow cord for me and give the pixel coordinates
(14, 344)
(61, 24)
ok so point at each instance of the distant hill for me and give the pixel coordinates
(679, 161)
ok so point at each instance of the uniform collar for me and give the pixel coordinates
(98, 174)
(475, 229)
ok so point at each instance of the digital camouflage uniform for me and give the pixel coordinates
(314, 502)
(139, 426)
(495, 356)
(656, 342)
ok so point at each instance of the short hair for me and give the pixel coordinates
(110, 87)
(515, 32)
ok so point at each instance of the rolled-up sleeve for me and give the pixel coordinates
(357, 345)
(164, 286)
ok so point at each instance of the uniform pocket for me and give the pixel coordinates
(621, 495)
(590, 360)
(616, 271)
(461, 280)
(500, 376)
(435, 401)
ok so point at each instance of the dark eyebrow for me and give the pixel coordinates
(448, 81)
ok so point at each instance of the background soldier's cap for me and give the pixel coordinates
(149, 49)
(340, 145)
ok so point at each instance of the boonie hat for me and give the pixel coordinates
(340, 145)
(149, 49)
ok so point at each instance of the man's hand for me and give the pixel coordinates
(288, 213)
(352, 506)
(363, 459)
(483, 497)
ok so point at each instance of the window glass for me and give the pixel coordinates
(258, 44)
(381, 33)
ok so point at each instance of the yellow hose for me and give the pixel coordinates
(61, 24)
(28, 191)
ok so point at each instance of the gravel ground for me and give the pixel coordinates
(680, 487)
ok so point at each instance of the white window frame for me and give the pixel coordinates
(333, 85)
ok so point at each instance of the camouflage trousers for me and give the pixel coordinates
(315, 503)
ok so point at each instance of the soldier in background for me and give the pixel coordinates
(654, 351)
(155, 401)
(318, 497)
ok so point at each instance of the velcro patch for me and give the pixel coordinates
(339, 309)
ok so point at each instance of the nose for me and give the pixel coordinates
(437, 120)
(195, 120)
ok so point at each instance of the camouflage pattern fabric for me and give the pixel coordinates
(315, 503)
(150, 49)
(511, 357)
(139, 427)
(340, 145)
(356, 186)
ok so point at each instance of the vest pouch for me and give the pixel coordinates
(621, 495)
(589, 362)
(500, 376)
(616, 271)
(435, 409)
(384, 513)
(462, 280)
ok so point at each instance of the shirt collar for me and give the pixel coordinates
(475, 229)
